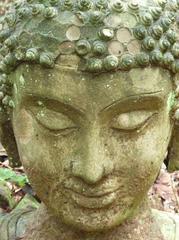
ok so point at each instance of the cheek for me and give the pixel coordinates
(140, 155)
(23, 127)
(42, 154)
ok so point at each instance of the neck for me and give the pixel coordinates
(141, 227)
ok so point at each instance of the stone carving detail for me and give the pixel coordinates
(154, 28)
(89, 100)
(107, 35)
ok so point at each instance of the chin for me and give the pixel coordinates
(93, 220)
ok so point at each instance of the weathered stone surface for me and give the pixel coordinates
(92, 142)
(4, 4)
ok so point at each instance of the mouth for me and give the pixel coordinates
(93, 201)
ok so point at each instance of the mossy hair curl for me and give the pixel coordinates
(106, 35)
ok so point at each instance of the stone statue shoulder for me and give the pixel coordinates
(14, 224)
(169, 224)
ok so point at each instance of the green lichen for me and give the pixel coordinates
(171, 101)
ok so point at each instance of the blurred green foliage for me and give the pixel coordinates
(13, 177)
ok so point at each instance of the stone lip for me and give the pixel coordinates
(94, 194)
(93, 201)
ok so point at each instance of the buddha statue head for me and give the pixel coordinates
(89, 102)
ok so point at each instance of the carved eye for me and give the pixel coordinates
(54, 121)
(131, 121)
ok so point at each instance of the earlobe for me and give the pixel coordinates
(8, 141)
(173, 152)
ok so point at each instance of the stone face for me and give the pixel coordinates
(93, 141)
(92, 109)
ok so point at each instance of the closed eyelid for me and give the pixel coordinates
(57, 125)
(133, 120)
(151, 101)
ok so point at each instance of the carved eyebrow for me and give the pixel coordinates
(55, 105)
(152, 100)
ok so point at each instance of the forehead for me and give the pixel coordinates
(69, 85)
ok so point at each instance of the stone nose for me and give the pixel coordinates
(91, 164)
(90, 173)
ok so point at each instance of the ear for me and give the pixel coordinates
(173, 154)
(8, 141)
